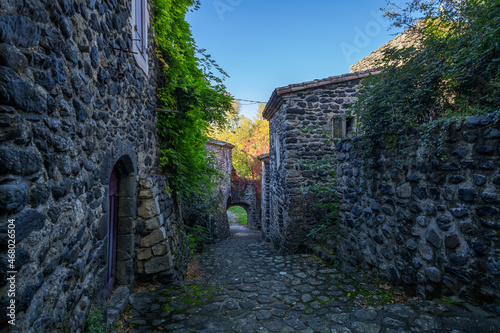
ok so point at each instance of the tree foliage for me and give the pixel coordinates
(251, 139)
(451, 70)
(193, 85)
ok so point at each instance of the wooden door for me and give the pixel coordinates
(112, 231)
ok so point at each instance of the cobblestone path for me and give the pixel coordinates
(247, 287)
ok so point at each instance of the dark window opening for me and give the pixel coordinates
(349, 126)
(343, 127)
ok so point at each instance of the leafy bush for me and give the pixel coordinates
(197, 235)
(190, 87)
(326, 196)
(95, 323)
(452, 69)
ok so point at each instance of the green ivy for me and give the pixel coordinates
(452, 70)
(95, 323)
(326, 197)
(192, 84)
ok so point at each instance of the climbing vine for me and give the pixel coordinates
(192, 85)
(326, 197)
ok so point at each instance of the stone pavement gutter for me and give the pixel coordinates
(247, 287)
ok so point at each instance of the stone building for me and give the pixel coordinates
(79, 161)
(246, 194)
(223, 152)
(303, 120)
(265, 205)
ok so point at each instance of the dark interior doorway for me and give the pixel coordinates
(112, 231)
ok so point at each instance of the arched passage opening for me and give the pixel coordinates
(237, 214)
(122, 205)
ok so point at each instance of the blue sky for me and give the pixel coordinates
(265, 44)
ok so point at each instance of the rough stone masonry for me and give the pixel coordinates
(74, 106)
(427, 220)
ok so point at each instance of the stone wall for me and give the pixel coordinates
(244, 193)
(430, 223)
(75, 106)
(224, 163)
(301, 135)
(265, 203)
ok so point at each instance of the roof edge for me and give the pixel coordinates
(263, 157)
(220, 143)
(275, 101)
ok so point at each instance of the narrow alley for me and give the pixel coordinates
(245, 286)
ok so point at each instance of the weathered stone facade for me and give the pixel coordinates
(429, 223)
(223, 152)
(302, 118)
(265, 203)
(74, 107)
(244, 193)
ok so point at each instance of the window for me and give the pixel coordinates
(343, 127)
(140, 19)
(338, 127)
(349, 126)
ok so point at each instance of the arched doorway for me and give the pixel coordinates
(122, 210)
(237, 215)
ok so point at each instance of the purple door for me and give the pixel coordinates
(112, 227)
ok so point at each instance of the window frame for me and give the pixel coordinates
(339, 126)
(140, 25)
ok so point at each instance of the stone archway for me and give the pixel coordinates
(125, 225)
(122, 206)
(244, 195)
(247, 209)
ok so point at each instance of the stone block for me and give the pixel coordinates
(125, 225)
(433, 274)
(13, 197)
(127, 207)
(12, 58)
(433, 237)
(467, 194)
(125, 247)
(26, 222)
(153, 223)
(490, 197)
(124, 272)
(452, 241)
(19, 162)
(404, 191)
(144, 254)
(153, 238)
(147, 209)
(160, 249)
(158, 264)
(478, 121)
(426, 251)
(19, 31)
(145, 194)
